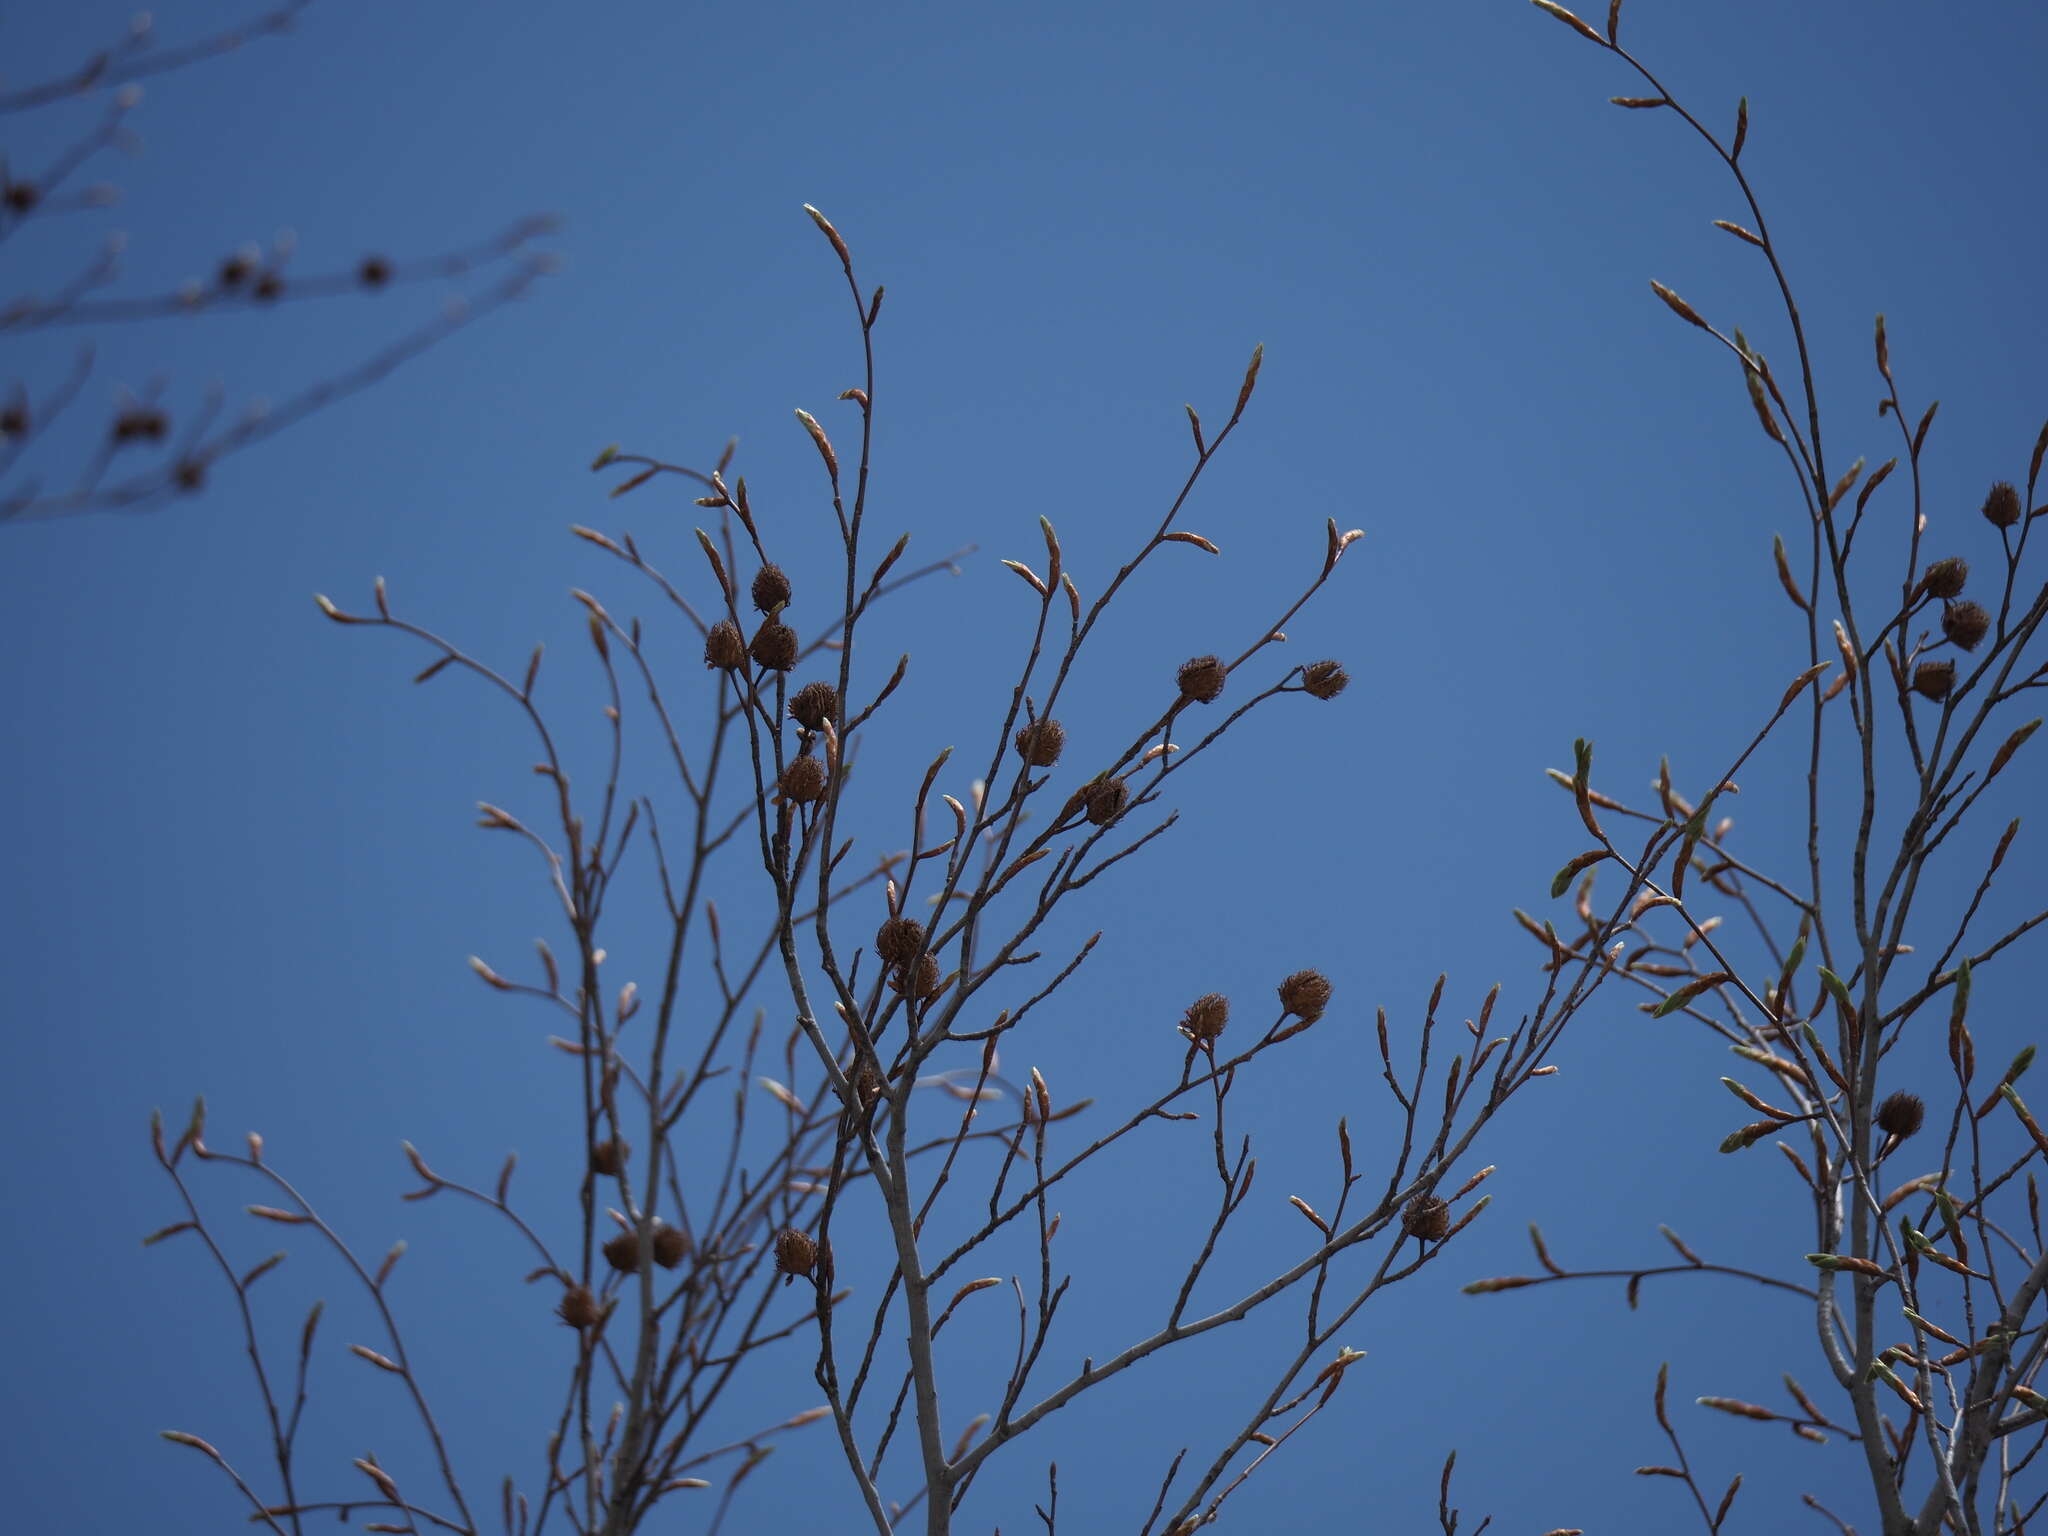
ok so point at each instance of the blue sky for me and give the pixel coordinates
(244, 858)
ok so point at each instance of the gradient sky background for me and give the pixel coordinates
(242, 848)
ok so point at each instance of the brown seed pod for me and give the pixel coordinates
(814, 704)
(919, 980)
(1426, 1217)
(269, 288)
(1945, 578)
(1966, 624)
(1305, 994)
(2002, 505)
(796, 1253)
(1206, 1017)
(622, 1251)
(669, 1246)
(803, 781)
(1934, 679)
(579, 1308)
(1040, 742)
(1103, 799)
(898, 939)
(724, 648)
(1324, 679)
(609, 1156)
(233, 272)
(1901, 1115)
(374, 272)
(867, 1084)
(1202, 678)
(774, 646)
(771, 588)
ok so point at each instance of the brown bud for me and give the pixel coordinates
(669, 1246)
(1205, 1018)
(374, 272)
(579, 1308)
(622, 1251)
(723, 646)
(898, 939)
(771, 588)
(190, 474)
(1305, 994)
(1901, 1115)
(20, 196)
(1966, 624)
(814, 704)
(1040, 742)
(774, 646)
(1202, 678)
(233, 272)
(1103, 799)
(1324, 679)
(2002, 506)
(796, 1253)
(1945, 578)
(609, 1156)
(1426, 1217)
(917, 980)
(1934, 679)
(269, 287)
(803, 781)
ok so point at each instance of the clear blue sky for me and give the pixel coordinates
(242, 853)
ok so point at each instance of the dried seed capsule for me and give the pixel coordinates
(774, 646)
(1305, 994)
(1103, 799)
(1426, 1217)
(579, 1308)
(622, 1252)
(609, 1156)
(918, 980)
(1934, 679)
(1945, 578)
(2002, 505)
(1324, 679)
(814, 704)
(771, 588)
(724, 648)
(1202, 678)
(1206, 1017)
(669, 1246)
(1966, 624)
(898, 939)
(1901, 1115)
(796, 1253)
(803, 781)
(1040, 742)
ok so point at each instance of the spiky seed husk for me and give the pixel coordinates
(898, 939)
(1324, 679)
(2002, 506)
(724, 647)
(609, 1156)
(669, 1246)
(796, 1253)
(1103, 799)
(771, 588)
(814, 704)
(774, 646)
(1040, 742)
(1305, 994)
(1901, 1115)
(918, 980)
(1426, 1217)
(579, 1308)
(1206, 1018)
(803, 781)
(867, 1084)
(1966, 624)
(622, 1251)
(1201, 678)
(1945, 578)
(1934, 679)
